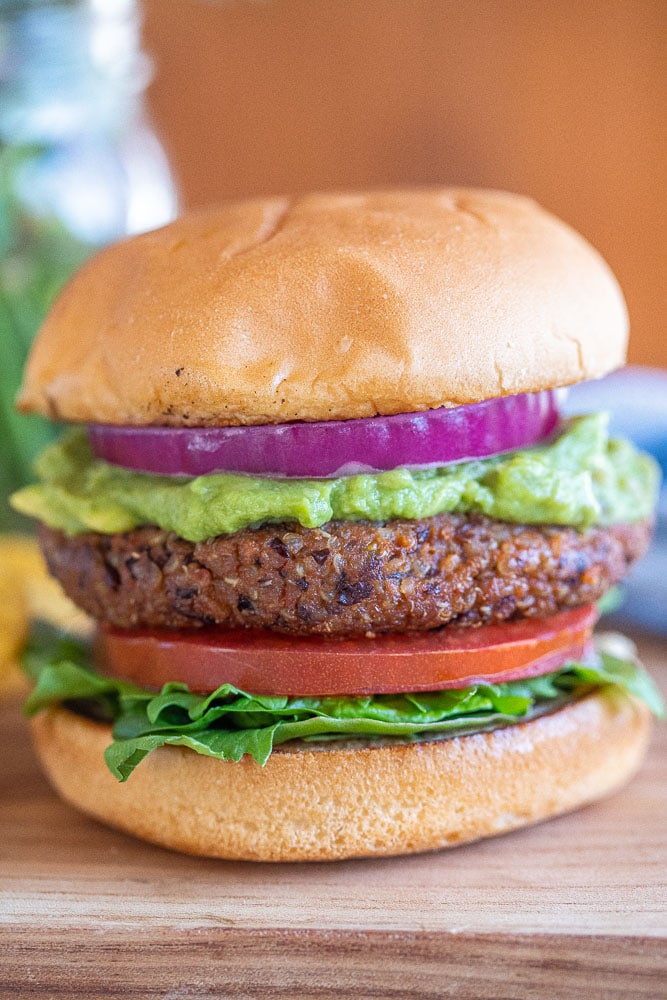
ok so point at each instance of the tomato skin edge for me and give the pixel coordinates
(269, 664)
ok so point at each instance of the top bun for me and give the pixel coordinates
(328, 306)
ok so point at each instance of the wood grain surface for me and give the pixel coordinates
(576, 905)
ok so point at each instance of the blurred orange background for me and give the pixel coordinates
(563, 101)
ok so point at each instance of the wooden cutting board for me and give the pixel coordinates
(575, 906)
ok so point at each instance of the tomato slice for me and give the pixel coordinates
(268, 663)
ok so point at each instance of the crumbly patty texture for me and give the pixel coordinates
(345, 578)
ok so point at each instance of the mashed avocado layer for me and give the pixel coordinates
(579, 477)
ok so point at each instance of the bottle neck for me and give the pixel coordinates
(69, 66)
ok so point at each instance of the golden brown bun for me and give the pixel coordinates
(320, 803)
(328, 306)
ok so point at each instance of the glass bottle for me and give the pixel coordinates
(80, 166)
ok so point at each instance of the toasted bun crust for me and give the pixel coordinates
(329, 306)
(321, 803)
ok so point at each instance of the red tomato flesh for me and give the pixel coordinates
(267, 663)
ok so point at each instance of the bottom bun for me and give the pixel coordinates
(320, 802)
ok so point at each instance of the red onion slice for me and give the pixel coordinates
(336, 447)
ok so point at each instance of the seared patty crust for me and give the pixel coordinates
(345, 578)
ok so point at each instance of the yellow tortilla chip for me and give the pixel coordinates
(27, 592)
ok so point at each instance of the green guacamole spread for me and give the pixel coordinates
(579, 477)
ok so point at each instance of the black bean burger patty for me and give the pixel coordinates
(347, 577)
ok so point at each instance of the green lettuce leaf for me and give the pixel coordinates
(230, 723)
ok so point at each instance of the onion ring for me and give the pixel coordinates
(327, 449)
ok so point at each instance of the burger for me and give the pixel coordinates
(343, 553)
